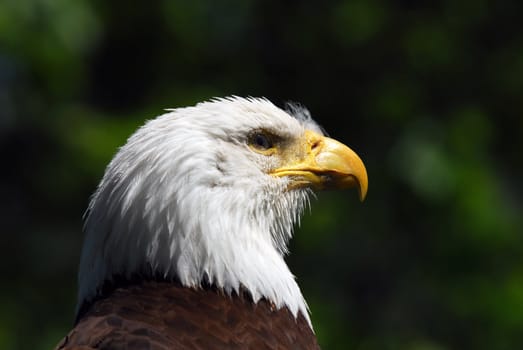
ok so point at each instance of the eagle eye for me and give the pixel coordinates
(261, 141)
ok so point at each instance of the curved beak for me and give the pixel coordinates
(323, 163)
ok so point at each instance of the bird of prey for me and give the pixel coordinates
(186, 234)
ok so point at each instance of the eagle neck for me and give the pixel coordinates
(252, 264)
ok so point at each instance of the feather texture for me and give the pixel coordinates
(160, 316)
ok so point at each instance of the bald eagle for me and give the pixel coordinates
(186, 235)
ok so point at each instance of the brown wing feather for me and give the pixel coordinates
(161, 315)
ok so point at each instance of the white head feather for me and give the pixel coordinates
(186, 198)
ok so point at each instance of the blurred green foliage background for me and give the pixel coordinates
(430, 96)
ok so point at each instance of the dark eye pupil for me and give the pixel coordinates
(262, 141)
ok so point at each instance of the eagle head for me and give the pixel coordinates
(210, 194)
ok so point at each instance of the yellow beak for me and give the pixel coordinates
(321, 162)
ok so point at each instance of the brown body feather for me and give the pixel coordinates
(163, 315)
